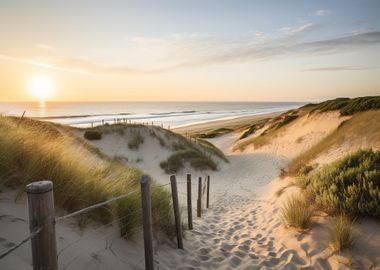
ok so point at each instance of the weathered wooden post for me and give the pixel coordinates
(147, 221)
(199, 201)
(189, 206)
(208, 191)
(177, 216)
(102, 122)
(92, 124)
(41, 215)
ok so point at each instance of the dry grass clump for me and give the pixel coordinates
(136, 140)
(297, 212)
(33, 150)
(341, 233)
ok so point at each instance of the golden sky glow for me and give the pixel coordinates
(98, 51)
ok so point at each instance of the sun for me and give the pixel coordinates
(41, 87)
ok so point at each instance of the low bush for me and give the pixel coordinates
(341, 233)
(350, 185)
(196, 158)
(297, 212)
(92, 135)
(136, 140)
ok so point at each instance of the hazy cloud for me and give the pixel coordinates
(341, 68)
(259, 34)
(298, 30)
(196, 52)
(44, 46)
(322, 12)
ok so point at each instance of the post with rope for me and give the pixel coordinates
(41, 215)
(208, 192)
(189, 206)
(199, 201)
(147, 221)
(177, 216)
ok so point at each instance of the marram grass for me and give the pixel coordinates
(33, 150)
(341, 233)
(297, 212)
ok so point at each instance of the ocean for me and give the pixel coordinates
(173, 114)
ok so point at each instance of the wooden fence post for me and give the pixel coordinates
(177, 216)
(189, 206)
(199, 201)
(147, 222)
(41, 215)
(208, 192)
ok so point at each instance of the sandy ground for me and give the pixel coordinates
(241, 230)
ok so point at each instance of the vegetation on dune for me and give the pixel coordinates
(348, 106)
(341, 233)
(364, 125)
(350, 186)
(196, 158)
(215, 133)
(136, 140)
(272, 128)
(92, 135)
(297, 212)
(197, 155)
(253, 128)
(32, 150)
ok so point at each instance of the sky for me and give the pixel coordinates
(199, 50)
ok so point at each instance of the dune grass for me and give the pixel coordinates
(273, 128)
(92, 135)
(364, 125)
(341, 233)
(33, 150)
(214, 133)
(348, 106)
(350, 185)
(136, 140)
(297, 212)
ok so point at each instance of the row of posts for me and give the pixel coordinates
(42, 215)
(127, 121)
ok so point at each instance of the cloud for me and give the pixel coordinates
(195, 52)
(44, 46)
(322, 12)
(340, 68)
(259, 34)
(298, 30)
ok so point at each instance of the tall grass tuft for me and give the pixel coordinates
(297, 212)
(32, 150)
(341, 233)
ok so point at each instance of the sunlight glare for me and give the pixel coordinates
(41, 87)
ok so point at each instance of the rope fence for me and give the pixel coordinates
(44, 250)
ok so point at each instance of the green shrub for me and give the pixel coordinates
(297, 212)
(136, 140)
(341, 233)
(350, 185)
(92, 135)
(196, 158)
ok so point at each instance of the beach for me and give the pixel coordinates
(242, 229)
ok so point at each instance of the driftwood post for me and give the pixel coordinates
(177, 216)
(189, 206)
(199, 201)
(41, 215)
(208, 191)
(147, 222)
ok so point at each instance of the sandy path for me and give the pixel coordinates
(237, 232)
